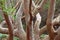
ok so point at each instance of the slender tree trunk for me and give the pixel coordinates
(9, 26)
(50, 18)
(21, 32)
(30, 35)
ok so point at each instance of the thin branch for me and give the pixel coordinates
(19, 26)
(36, 27)
(38, 7)
(5, 31)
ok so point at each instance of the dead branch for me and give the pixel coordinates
(21, 32)
(36, 27)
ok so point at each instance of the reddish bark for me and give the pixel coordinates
(10, 31)
(49, 20)
(29, 25)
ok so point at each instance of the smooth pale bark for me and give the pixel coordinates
(36, 27)
(37, 1)
(22, 34)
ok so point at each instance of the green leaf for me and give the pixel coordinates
(43, 35)
(15, 38)
(3, 35)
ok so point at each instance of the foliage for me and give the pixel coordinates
(2, 35)
(5, 35)
(47, 4)
(2, 2)
(15, 38)
(8, 10)
(43, 35)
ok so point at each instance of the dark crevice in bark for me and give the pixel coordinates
(29, 25)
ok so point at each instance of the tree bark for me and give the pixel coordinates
(9, 26)
(36, 27)
(49, 20)
(21, 32)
